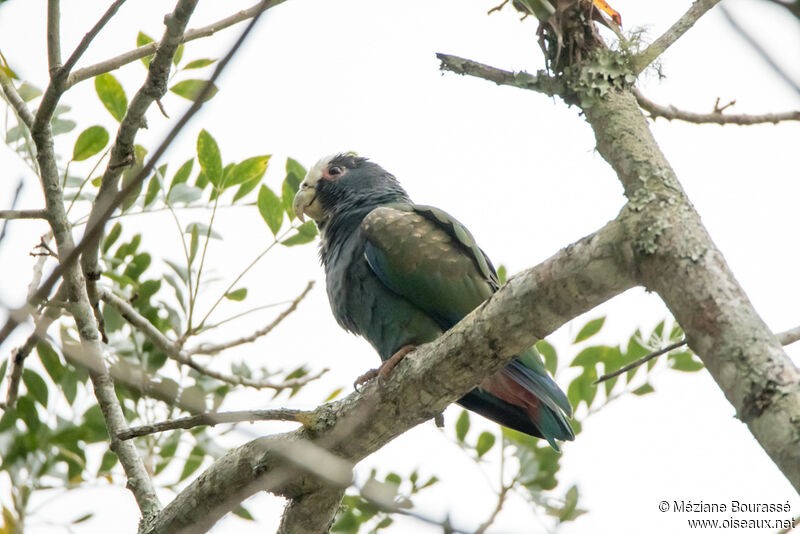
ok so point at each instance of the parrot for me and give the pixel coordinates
(400, 274)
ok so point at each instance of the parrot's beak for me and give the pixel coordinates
(306, 203)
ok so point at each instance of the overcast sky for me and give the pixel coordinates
(519, 169)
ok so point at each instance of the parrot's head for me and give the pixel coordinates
(344, 183)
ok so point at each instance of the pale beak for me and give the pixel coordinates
(305, 203)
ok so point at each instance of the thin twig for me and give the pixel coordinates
(715, 117)
(205, 348)
(53, 35)
(12, 213)
(640, 361)
(215, 418)
(16, 101)
(785, 338)
(760, 50)
(699, 8)
(150, 48)
(93, 231)
(89, 37)
(19, 354)
(173, 351)
(540, 82)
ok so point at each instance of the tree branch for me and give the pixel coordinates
(541, 82)
(699, 8)
(205, 348)
(122, 152)
(215, 418)
(174, 352)
(715, 117)
(89, 37)
(23, 214)
(149, 49)
(677, 259)
(785, 338)
(422, 385)
(16, 101)
(53, 35)
(93, 232)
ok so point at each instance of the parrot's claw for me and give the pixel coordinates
(385, 370)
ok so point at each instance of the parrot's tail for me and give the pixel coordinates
(522, 399)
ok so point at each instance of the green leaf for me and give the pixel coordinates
(178, 55)
(590, 329)
(4, 366)
(294, 173)
(69, 387)
(237, 295)
(199, 64)
(62, 126)
(183, 173)
(269, 205)
(111, 95)
(84, 517)
(141, 40)
(35, 385)
(184, 193)
(242, 512)
(287, 198)
(485, 442)
(462, 426)
(193, 462)
(28, 92)
(209, 157)
(570, 502)
(588, 357)
(685, 361)
(204, 230)
(643, 390)
(130, 174)
(152, 191)
(51, 362)
(91, 141)
(306, 233)
(550, 356)
(249, 169)
(109, 461)
(27, 412)
(333, 394)
(502, 274)
(245, 188)
(195, 242)
(191, 89)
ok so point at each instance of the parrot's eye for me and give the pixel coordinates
(335, 171)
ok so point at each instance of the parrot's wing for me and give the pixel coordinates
(429, 258)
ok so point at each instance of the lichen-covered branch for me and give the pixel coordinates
(660, 45)
(206, 348)
(150, 49)
(715, 117)
(677, 259)
(174, 351)
(530, 306)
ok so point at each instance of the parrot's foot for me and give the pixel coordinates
(385, 370)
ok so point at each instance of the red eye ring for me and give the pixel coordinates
(334, 171)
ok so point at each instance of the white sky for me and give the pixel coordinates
(517, 168)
